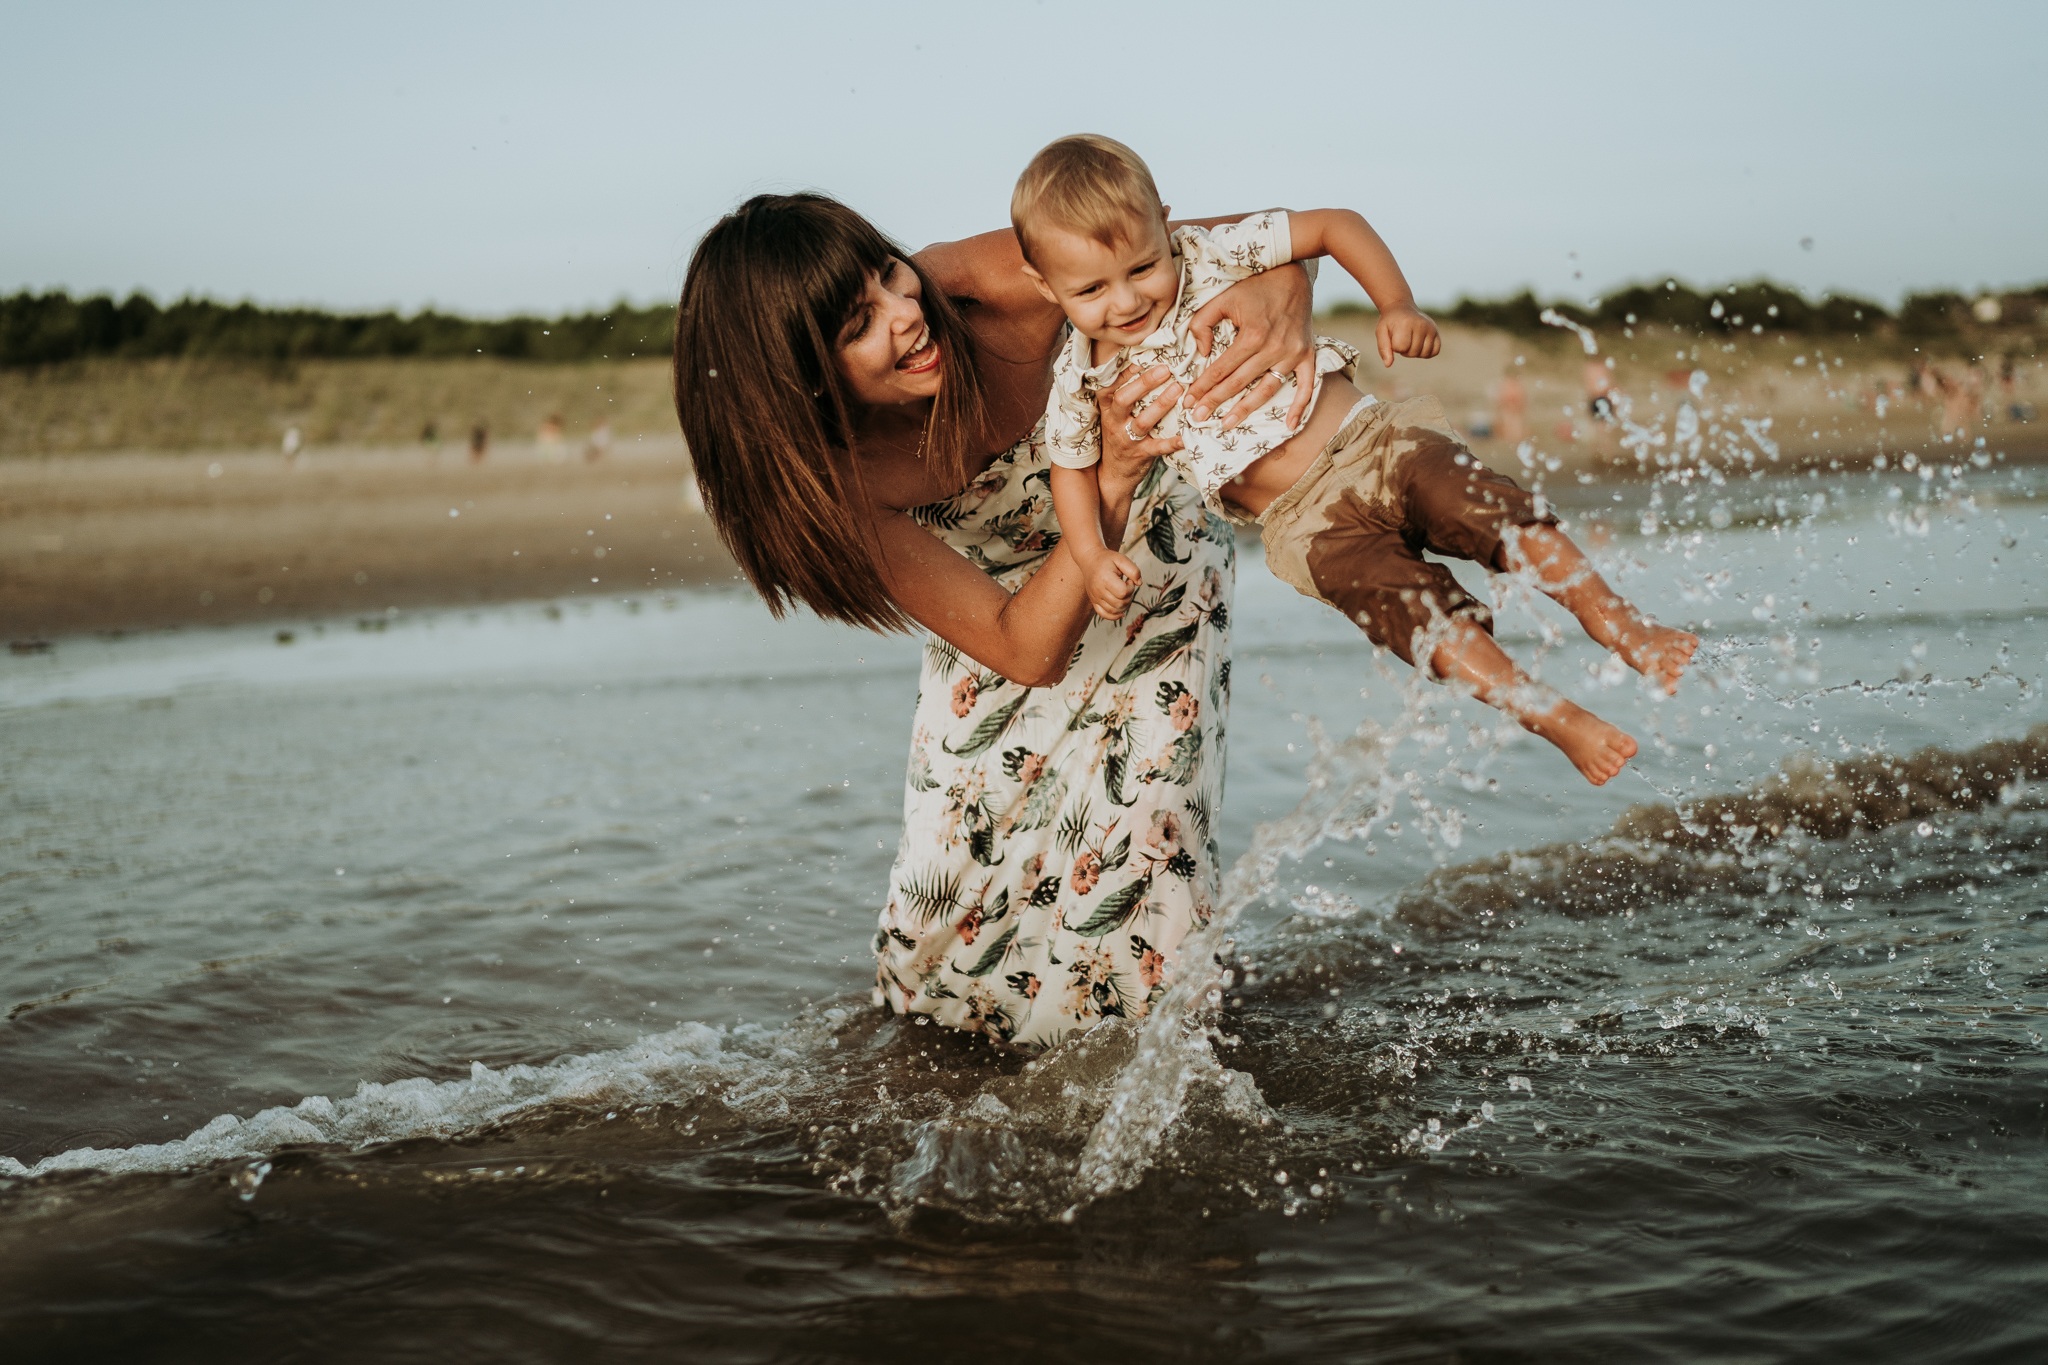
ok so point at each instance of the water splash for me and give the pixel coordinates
(1351, 789)
(1550, 317)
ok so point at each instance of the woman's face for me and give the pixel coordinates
(886, 352)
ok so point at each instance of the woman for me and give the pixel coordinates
(863, 426)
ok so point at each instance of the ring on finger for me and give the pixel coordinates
(1280, 375)
(1131, 434)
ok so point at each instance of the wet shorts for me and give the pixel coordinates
(1394, 481)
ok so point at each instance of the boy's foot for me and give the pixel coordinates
(1659, 653)
(1596, 749)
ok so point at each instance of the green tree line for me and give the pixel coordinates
(47, 329)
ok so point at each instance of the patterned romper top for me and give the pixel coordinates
(1058, 842)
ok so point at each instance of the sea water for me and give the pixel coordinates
(492, 985)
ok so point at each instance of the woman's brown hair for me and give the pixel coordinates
(769, 418)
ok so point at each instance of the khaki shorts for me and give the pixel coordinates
(1394, 481)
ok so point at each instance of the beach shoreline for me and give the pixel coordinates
(594, 494)
(126, 542)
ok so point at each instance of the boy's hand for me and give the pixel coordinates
(1111, 584)
(1409, 332)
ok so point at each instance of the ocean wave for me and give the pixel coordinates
(657, 1069)
(1834, 799)
(1087, 1118)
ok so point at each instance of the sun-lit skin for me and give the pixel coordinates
(1028, 635)
(885, 350)
(1119, 293)
(1115, 294)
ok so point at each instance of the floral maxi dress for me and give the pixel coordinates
(1058, 842)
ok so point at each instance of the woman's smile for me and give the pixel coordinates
(920, 357)
(886, 349)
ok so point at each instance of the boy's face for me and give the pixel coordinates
(1115, 294)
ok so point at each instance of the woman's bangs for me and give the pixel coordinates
(841, 270)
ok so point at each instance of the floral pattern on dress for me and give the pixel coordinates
(1059, 842)
(1209, 261)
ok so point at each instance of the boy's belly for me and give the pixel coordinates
(1267, 478)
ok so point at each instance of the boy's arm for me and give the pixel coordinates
(1073, 438)
(1078, 498)
(1077, 502)
(1341, 233)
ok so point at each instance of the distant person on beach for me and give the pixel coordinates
(599, 442)
(1962, 402)
(1927, 382)
(1961, 399)
(1348, 491)
(1601, 399)
(1511, 409)
(479, 443)
(2009, 399)
(864, 424)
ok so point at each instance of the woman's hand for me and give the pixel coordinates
(1271, 313)
(1129, 411)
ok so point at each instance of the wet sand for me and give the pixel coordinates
(139, 541)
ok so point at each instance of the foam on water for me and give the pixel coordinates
(655, 1070)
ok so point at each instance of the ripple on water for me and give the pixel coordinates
(1704, 1087)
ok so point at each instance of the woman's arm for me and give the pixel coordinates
(1027, 636)
(988, 269)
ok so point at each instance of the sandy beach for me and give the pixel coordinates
(95, 536)
(123, 542)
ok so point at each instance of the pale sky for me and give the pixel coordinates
(499, 157)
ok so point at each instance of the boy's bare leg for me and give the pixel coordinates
(1470, 656)
(1568, 578)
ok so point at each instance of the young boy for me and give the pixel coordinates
(1349, 499)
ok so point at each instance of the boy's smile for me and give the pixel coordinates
(1116, 294)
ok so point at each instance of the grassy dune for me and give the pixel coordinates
(1816, 413)
(176, 405)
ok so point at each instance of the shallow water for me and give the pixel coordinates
(491, 985)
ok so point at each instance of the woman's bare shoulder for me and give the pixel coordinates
(1016, 330)
(985, 273)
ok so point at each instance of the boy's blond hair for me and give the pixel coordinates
(1088, 184)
